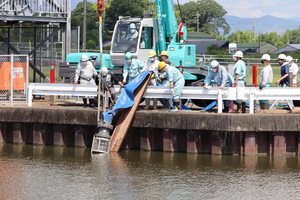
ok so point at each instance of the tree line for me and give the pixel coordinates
(204, 16)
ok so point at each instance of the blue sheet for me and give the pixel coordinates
(126, 98)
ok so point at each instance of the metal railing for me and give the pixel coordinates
(249, 94)
(33, 8)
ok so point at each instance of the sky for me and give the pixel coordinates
(248, 8)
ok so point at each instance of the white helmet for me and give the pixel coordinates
(281, 57)
(266, 57)
(289, 59)
(104, 71)
(132, 25)
(84, 57)
(238, 54)
(214, 64)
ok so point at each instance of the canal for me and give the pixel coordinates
(49, 172)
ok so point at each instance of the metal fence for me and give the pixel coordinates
(13, 78)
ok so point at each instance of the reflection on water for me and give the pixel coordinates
(46, 172)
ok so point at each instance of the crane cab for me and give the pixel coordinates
(132, 35)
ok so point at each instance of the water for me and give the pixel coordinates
(46, 172)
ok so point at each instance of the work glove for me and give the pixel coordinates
(124, 80)
(173, 92)
(261, 86)
(234, 85)
(158, 79)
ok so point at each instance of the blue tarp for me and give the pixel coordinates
(126, 98)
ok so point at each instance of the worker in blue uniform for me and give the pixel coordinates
(222, 78)
(176, 81)
(284, 80)
(239, 75)
(132, 68)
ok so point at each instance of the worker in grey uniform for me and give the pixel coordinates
(85, 72)
(266, 78)
(107, 80)
(222, 78)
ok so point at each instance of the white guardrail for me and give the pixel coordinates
(249, 94)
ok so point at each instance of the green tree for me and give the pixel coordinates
(210, 16)
(242, 37)
(133, 8)
(92, 25)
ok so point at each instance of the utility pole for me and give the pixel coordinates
(254, 29)
(197, 17)
(84, 26)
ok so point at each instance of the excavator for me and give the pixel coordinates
(138, 36)
(163, 33)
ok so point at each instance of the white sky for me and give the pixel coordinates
(249, 8)
(259, 8)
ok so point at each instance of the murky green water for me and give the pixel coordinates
(38, 172)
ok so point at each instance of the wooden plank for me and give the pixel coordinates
(273, 111)
(126, 118)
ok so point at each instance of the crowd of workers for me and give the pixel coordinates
(164, 73)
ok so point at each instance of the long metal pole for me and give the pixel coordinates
(101, 51)
(84, 26)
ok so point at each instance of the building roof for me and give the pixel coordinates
(288, 48)
(250, 45)
(201, 46)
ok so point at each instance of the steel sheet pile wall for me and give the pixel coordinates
(190, 132)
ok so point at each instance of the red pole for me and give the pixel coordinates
(254, 75)
(52, 80)
(52, 73)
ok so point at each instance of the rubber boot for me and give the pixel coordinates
(147, 101)
(166, 104)
(176, 106)
(226, 109)
(238, 108)
(231, 110)
(84, 102)
(264, 106)
(243, 107)
(91, 101)
(154, 104)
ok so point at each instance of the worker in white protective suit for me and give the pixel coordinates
(85, 72)
(222, 78)
(132, 68)
(133, 33)
(176, 81)
(152, 65)
(266, 78)
(293, 68)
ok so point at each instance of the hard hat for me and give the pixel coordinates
(132, 25)
(238, 54)
(151, 53)
(282, 57)
(214, 63)
(266, 57)
(104, 71)
(128, 55)
(161, 65)
(84, 57)
(289, 59)
(164, 53)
